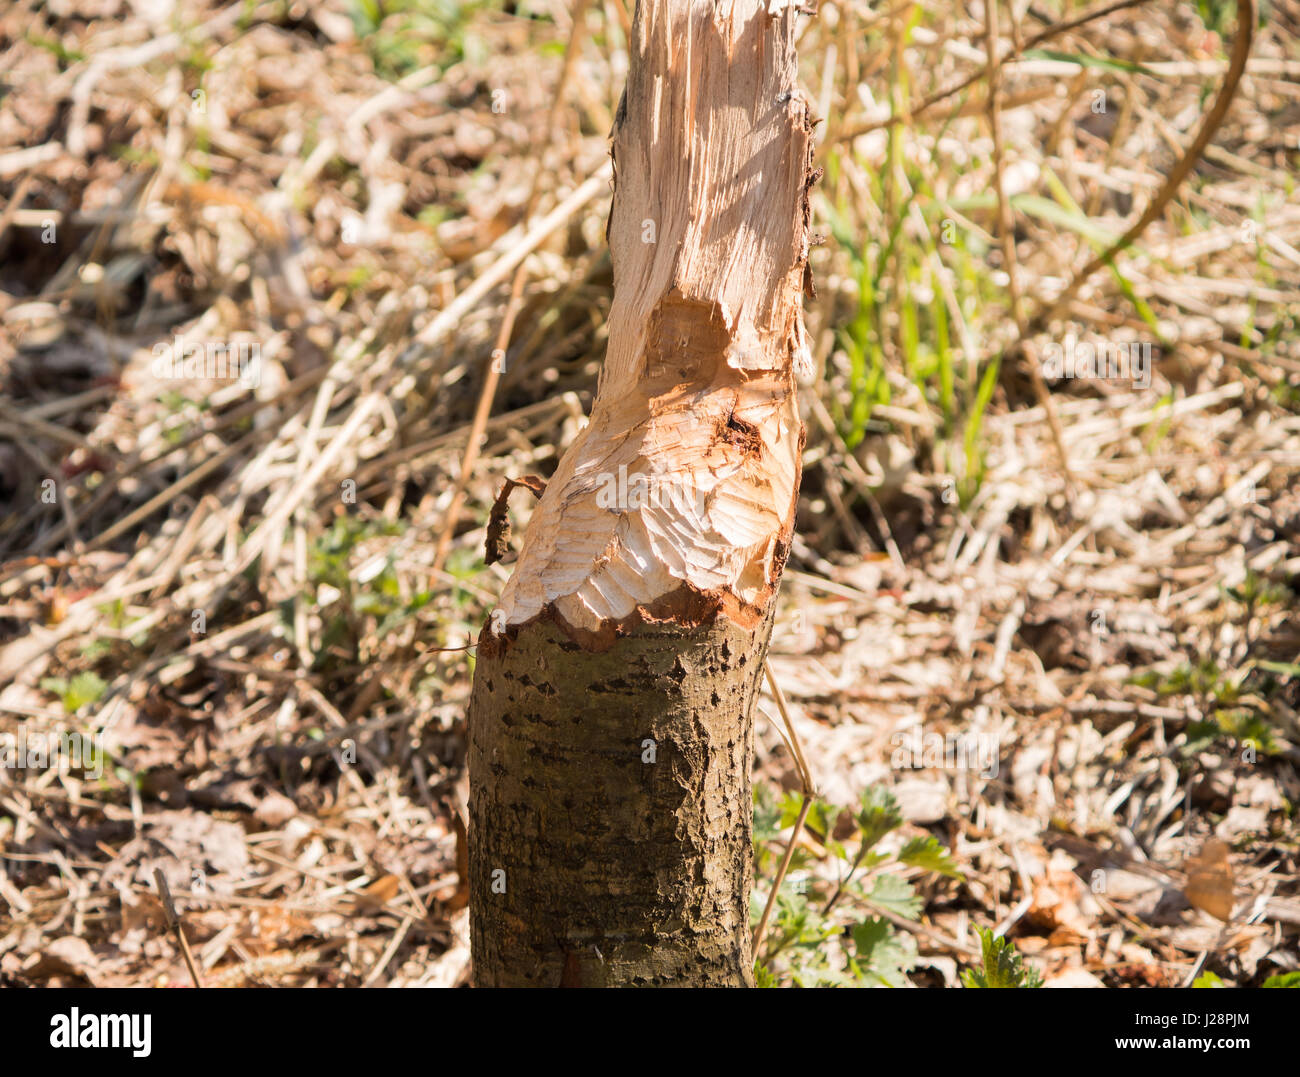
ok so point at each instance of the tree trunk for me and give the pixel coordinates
(610, 727)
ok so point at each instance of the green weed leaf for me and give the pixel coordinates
(1003, 966)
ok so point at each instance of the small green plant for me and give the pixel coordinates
(1239, 724)
(405, 35)
(329, 566)
(1234, 702)
(1202, 678)
(363, 611)
(834, 921)
(1001, 965)
(67, 57)
(1255, 591)
(81, 691)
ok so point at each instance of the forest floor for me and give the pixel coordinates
(1082, 681)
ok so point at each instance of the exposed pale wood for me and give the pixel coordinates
(695, 409)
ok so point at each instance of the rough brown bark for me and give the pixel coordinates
(610, 725)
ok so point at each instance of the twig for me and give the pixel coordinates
(809, 794)
(15, 203)
(174, 922)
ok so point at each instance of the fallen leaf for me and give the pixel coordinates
(1210, 882)
(379, 893)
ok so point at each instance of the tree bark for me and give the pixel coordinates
(610, 726)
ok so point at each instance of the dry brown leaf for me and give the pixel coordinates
(379, 893)
(1210, 880)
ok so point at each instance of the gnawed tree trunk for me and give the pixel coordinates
(610, 729)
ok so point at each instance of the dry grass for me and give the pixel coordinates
(234, 588)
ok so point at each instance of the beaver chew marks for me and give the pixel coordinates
(685, 476)
(687, 340)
